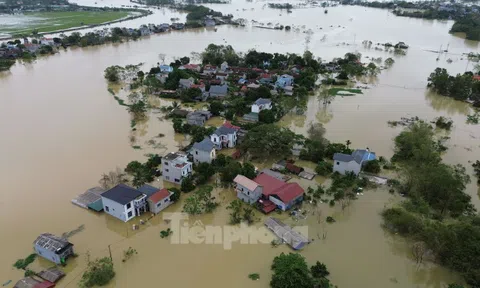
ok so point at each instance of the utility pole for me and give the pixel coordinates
(110, 251)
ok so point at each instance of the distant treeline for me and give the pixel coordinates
(467, 19)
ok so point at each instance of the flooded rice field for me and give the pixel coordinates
(61, 129)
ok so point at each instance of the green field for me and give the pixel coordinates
(343, 92)
(52, 21)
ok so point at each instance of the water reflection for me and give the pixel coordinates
(447, 104)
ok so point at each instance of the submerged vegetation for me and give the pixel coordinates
(460, 87)
(23, 263)
(98, 273)
(438, 212)
(291, 271)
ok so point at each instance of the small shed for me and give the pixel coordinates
(51, 274)
(90, 199)
(293, 168)
(280, 165)
(294, 239)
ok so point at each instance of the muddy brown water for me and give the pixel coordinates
(61, 130)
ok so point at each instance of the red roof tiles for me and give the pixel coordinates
(273, 186)
(159, 195)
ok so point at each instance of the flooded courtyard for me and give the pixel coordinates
(61, 129)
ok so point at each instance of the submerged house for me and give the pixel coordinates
(124, 202)
(176, 167)
(53, 248)
(159, 200)
(203, 151)
(247, 190)
(218, 91)
(261, 104)
(278, 194)
(198, 118)
(224, 137)
(284, 80)
(344, 163)
(30, 282)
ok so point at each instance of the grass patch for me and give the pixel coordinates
(254, 276)
(136, 147)
(111, 91)
(59, 20)
(343, 92)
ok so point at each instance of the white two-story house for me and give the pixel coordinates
(224, 137)
(124, 202)
(247, 190)
(261, 104)
(176, 167)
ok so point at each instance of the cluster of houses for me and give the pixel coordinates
(12, 50)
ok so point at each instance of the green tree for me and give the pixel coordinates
(216, 107)
(266, 140)
(236, 207)
(324, 168)
(187, 184)
(372, 166)
(200, 202)
(230, 171)
(112, 73)
(291, 271)
(176, 194)
(98, 273)
(248, 170)
(416, 144)
(204, 171)
(266, 116)
(319, 270)
(248, 215)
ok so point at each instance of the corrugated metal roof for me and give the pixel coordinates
(342, 157)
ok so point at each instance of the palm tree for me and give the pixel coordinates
(348, 143)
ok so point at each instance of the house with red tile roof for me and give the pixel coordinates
(159, 200)
(277, 193)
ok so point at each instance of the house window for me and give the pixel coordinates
(338, 163)
(248, 192)
(196, 152)
(159, 204)
(166, 200)
(177, 180)
(167, 177)
(107, 209)
(166, 170)
(129, 214)
(165, 163)
(129, 205)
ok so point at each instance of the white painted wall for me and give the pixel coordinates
(343, 167)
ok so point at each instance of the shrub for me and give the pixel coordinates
(98, 273)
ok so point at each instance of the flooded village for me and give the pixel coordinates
(68, 139)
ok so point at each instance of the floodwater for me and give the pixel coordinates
(61, 129)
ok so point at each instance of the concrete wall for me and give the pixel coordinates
(47, 254)
(117, 210)
(343, 167)
(248, 196)
(203, 156)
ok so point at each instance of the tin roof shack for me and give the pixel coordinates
(52, 274)
(53, 248)
(30, 282)
(294, 239)
(91, 199)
